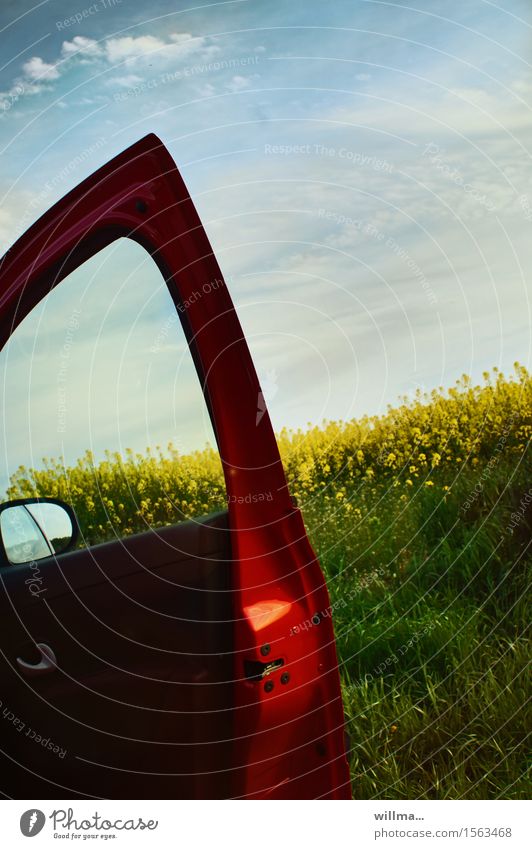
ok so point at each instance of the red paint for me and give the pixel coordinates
(289, 742)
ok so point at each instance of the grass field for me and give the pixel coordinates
(422, 520)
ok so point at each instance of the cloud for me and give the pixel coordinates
(207, 90)
(126, 52)
(127, 81)
(417, 109)
(239, 83)
(130, 50)
(37, 69)
(82, 47)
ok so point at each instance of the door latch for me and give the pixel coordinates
(255, 670)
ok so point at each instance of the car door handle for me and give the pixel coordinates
(46, 664)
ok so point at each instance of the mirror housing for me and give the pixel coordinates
(34, 528)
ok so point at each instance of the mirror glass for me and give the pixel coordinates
(33, 531)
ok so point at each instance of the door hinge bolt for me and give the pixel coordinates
(268, 687)
(285, 678)
(266, 649)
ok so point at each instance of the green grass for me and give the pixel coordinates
(433, 646)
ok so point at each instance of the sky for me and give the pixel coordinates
(362, 170)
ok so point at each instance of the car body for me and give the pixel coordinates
(190, 661)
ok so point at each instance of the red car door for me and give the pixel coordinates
(287, 738)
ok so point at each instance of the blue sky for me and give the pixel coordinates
(362, 169)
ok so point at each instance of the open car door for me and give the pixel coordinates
(194, 661)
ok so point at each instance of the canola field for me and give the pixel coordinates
(422, 521)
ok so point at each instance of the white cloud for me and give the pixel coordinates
(207, 90)
(82, 47)
(37, 69)
(126, 81)
(36, 73)
(129, 50)
(423, 110)
(181, 37)
(239, 83)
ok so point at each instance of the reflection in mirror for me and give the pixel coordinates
(33, 531)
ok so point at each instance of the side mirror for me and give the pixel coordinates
(33, 528)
